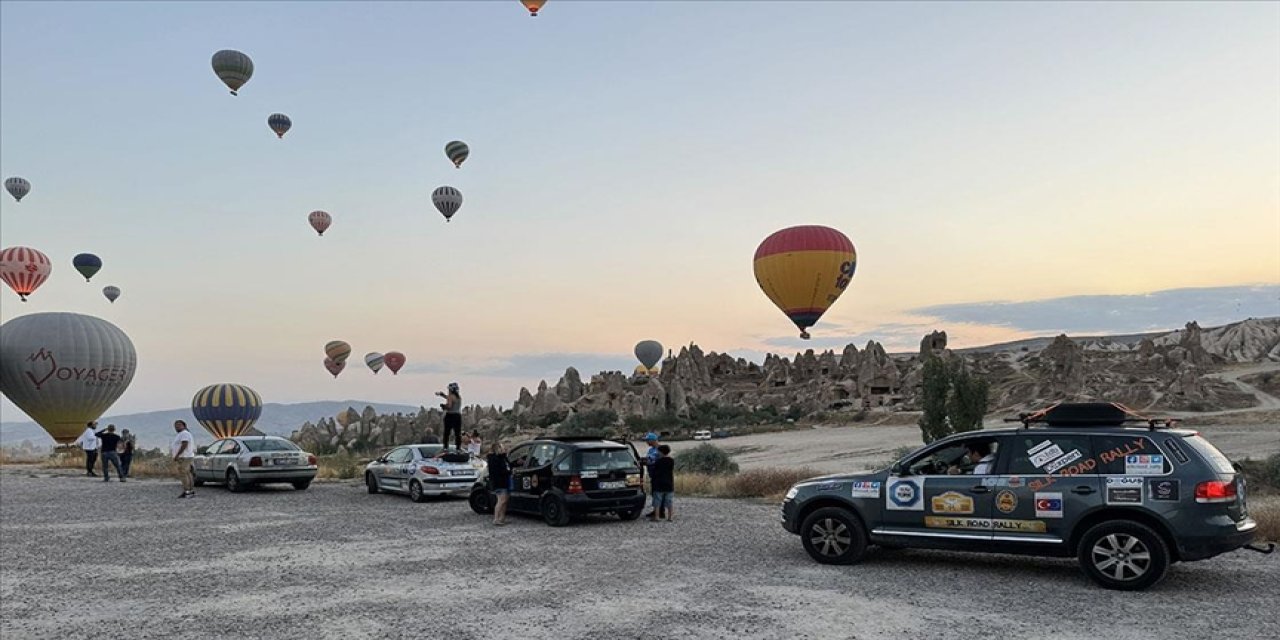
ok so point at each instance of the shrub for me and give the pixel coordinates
(705, 458)
(597, 422)
(1267, 513)
(1262, 475)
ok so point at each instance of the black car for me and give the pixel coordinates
(1075, 480)
(558, 478)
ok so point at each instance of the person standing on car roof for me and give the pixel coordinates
(110, 441)
(88, 441)
(452, 414)
(499, 481)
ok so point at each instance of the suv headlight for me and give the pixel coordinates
(791, 493)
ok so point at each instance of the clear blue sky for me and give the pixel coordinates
(626, 160)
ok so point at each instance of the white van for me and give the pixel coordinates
(701, 435)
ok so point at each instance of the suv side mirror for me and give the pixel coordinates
(896, 469)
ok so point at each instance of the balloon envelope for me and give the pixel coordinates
(64, 369)
(648, 352)
(804, 270)
(17, 187)
(279, 123)
(232, 68)
(111, 293)
(344, 417)
(87, 264)
(374, 361)
(338, 351)
(334, 367)
(394, 360)
(457, 152)
(447, 200)
(320, 221)
(533, 6)
(227, 409)
(24, 269)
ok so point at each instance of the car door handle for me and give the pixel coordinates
(979, 489)
(1083, 490)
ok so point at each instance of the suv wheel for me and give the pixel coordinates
(480, 502)
(1123, 555)
(234, 484)
(834, 536)
(630, 514)
(554, 511)
(415, 492)
(370, 483)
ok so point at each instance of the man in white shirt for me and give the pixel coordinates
(980, 456)
(89, 442)
(183, 450)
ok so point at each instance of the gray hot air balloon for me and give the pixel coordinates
(447, 200)
(648, 352)
(64, 369)
(233, 69)
(111, 292)
(17, 187)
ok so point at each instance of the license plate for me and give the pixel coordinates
(460, 473)
(280, 461)
(613, 484)
(457, 485)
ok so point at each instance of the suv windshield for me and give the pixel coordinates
(1215, 458)
(607, 459)
(270, 445)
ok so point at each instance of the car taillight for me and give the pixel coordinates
(575, 484)
(311, 460)
(1216, 491)
(255, 461)
(430, 470)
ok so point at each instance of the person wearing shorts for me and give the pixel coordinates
(499, 482)
(664, 485)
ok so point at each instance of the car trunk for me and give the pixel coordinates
(1225, 472)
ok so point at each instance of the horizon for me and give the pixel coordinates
(617, 197)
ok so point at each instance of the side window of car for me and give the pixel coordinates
(564, 459)
(519, 456)
(230, 447)
(542, 455)
(935, 461)
(1038, 454)
(213, 448)
(1130, 455)
(400, 456)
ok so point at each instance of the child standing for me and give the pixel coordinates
(664, 485)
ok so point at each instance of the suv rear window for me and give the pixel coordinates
(606, 459)
(1215, 458)
(270, 445)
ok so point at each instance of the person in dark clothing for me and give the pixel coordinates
(127, 442)
(664, 485)
(499, 481)
(452, 415)
(110, 441)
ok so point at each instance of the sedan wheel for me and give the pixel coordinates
(234, 484)
(415, 492)
(370, 483)
(833, 536)
(1123, 555)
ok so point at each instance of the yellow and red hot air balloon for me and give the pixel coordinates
(24, 269)
(533, 6)
(804, 270)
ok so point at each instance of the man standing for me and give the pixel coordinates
(650, 459)
(127, 441)
(89, 442)
(109, 455)
(183, 450)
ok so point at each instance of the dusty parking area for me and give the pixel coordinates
(82, 558)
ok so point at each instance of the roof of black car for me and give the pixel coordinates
(581, 441)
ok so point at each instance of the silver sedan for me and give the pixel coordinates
(422, 471)
(243, 461)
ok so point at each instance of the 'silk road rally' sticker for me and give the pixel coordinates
(984, 524)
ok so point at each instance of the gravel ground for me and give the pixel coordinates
(82, 558)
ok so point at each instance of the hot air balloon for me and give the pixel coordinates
(344, 417)
(447, 200)
(111, 293)
(334, 367)
(279, 123)
(17, 187)
(87, 264)
(394, 360)
(642, 371)
(233, 68)
(804, 270)
(374, 361)
(338, 351)
(24, 269)
(64, 369)
(457, 152)
(226, 409)
(648, 352)
(533, 6)
(320, 221)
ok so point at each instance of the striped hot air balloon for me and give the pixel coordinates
(338, 351)
(279, 123)
(24, 269)
(17, 187)
(457, 152)
(804, 270)
(227, 409)
(374, 361)
(233, 69)
(320, 221)
(448, 200)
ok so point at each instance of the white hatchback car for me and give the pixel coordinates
(702, 435)
(422, 471)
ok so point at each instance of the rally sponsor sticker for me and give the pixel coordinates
(1063, 461)
(1048, 505)
(985, 524)
(904, 494)
(1124, 490)
(952, 502)
(1040, 447)
(1143, 465)
(1042, 457)
(866, 489)
(1006, 501)
(1164, 490)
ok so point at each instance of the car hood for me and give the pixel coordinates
(843, 477)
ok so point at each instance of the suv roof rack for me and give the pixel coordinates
(571, 439)
(1090, 414)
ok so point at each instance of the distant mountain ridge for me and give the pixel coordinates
(155, 428)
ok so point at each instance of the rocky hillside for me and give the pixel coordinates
(1153, 372)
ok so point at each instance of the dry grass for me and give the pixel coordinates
(1266, 510)
(769, 483)
(144, 465)
(341, 467)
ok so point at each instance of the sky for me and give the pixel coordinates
(994, 164)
